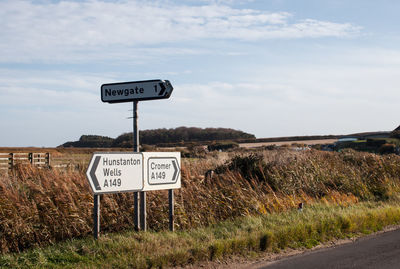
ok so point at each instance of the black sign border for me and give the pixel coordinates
(169, 183)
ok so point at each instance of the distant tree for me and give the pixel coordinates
(185, 134)
(161, 136)
(90, 141)
(123, 141)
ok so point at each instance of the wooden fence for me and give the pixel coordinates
(8, 160)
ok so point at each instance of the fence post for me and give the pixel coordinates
(47, 160)
(11, 161)
(30, 158)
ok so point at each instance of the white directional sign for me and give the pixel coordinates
(162, 170)
(136, 91)
(110, 172)
(115, 172)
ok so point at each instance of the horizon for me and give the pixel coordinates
(276, 69)
(257, 138)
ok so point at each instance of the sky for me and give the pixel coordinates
(270, 68)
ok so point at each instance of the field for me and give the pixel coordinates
(40, 207)
(301, 142)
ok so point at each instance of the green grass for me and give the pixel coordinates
(243, 236)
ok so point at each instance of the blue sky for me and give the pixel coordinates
(270, 68)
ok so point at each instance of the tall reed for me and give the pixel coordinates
(42, 206)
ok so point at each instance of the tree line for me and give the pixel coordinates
(161, 136)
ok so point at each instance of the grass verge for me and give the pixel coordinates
(316, 224)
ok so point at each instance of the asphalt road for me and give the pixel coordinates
(378, 251)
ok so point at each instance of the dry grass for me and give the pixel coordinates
(42, 206)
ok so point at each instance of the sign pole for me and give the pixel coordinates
(96, 216)
(139, 211)
(135, 149)
(142, 208)
(143, 224)
(135, 127)
(136, 210)
(171, 209)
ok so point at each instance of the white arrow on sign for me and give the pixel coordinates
(115, 172)
(136, 91)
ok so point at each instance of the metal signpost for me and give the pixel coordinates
(136, 214)
(115, 172)
(134, 172)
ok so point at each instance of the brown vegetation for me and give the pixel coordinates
(41, 206)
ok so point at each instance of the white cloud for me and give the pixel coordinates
(327, 89)
(47, 89)
(341, 97)
(87, 30)
(48, 108)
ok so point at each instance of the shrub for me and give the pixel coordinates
(271, 147)
(375, 142)
(223, 146)
(395, 134)
(387, 149)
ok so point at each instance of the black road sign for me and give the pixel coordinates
(136, 91)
